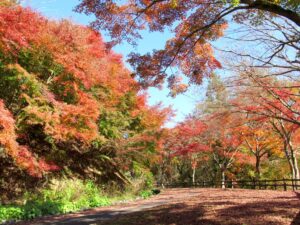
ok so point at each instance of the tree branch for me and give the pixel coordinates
(273, 8)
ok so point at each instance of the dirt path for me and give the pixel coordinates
(194, 206)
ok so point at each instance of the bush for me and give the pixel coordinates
(148, 193)
(11, 212)
(145, 193)
(143, 178)
(73, 195)
(61, 197)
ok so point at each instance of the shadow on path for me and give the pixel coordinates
(296, 220)
(194, 206)
(274, 212)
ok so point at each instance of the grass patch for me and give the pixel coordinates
(64, 197)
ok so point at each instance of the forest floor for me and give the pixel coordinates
(194, 206)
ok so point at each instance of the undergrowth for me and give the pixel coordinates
(64, 197)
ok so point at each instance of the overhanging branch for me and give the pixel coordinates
(273, 8)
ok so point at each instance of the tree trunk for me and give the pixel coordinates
(273, 8)
(288, 149)
(297, 175)
(293, 161)
(162, 174)
(223, 179)
(288, 153)
(257, 167)
(193, 175)
(296, 169)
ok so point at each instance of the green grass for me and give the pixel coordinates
(64, 197)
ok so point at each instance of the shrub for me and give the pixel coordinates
(63, 196)
(143, 177)
(11, 212)
(145, 193)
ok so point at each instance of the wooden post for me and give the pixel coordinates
(266, 185)
(293, 184)
(284, 185)
(275, 185)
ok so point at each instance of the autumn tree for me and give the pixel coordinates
(186, 141)
(288, 134)
(225, 142)
(261, 141)
(222, 135)
(271, 44)
(216, 97)
(195, 25)
(68, 104)
(274, 100)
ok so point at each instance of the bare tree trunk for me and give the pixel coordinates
(289, 151)
(295, 164)
(193, 175)
(293, 159)
(290, 161)
(257, 167)
(293, 167)
(296, 173)
(223, 179)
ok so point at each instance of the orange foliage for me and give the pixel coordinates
(23, 157)
(189, 50)
(67, 104)
(83, 54)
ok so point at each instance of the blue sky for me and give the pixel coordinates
(182, 104)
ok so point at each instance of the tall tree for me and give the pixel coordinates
(261, 141)
(274, 100)
(68, 102)
(187, 141)
(195, 24)
(288, 132)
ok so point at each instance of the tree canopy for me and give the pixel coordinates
(68, 105)
(194, 25)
